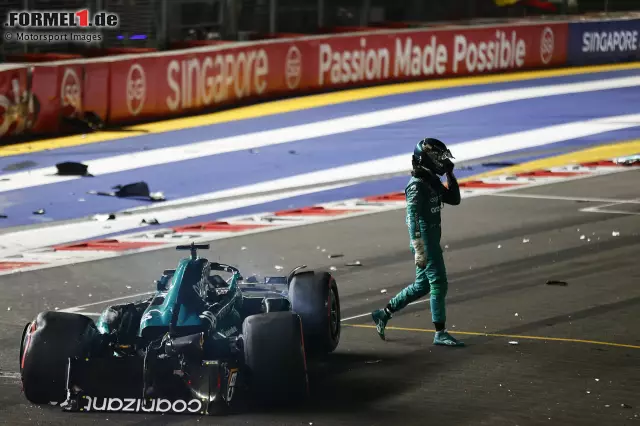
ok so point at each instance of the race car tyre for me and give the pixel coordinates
(314, 296)
(275, 357)
(47, 344)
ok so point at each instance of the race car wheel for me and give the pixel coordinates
(314, 296)
(47, 344)
(275, 357)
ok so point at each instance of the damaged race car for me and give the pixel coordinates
(190, 347)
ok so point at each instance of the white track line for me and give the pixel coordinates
(209, 237)
(615, 203)
(8, 375)
(464, 151)
(611, 203)
(78, 309)
(563, 198)
(16, 242)
(355, 316)
(33, 238)
(260, 218)
(115, 299)
(369, 313)
(598, 210)
(132, 161)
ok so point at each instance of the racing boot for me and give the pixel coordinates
(443, 338)
(380, 318)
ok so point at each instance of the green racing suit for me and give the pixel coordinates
(425, 197)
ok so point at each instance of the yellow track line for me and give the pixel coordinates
(598, 153)
(512, 336)
(297, 104)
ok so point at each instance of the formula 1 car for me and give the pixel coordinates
(190, 347)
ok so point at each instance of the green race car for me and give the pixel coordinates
(189, 347)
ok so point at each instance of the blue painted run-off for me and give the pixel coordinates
(208, 174)
(187, 136)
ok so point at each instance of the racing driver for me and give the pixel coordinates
(425, 194)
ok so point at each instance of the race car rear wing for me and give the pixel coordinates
(193, 248)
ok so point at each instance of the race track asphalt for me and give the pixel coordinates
(500, 252)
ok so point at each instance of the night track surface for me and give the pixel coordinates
(574, 380)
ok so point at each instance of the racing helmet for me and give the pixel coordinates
(432, 155)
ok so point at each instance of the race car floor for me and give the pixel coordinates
(578, 345)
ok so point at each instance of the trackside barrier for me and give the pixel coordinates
(598, 42)
(49, 98)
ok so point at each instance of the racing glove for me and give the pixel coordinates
(448, 166)
(419, 256)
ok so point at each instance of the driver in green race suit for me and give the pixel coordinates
(425, 194)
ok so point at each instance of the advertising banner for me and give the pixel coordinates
(18, 108)
(166, 85)
(71, 90)
(161, 85)
(134, 88)
(46, 91)
(95, 89)
(604, 42)
(422, 54)
(189, 82)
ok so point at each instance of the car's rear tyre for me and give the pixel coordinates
(275, 357)
(314, 296)
(47, 344)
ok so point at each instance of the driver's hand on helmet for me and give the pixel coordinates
(448, 165)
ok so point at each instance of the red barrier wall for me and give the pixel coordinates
(96, 88)
(16, 109)
(150, 86)
(46, 87)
